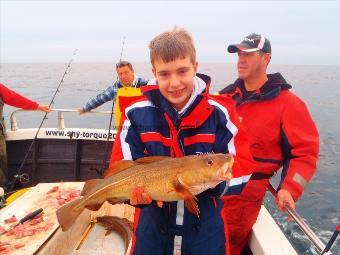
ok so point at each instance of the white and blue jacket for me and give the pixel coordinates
(207, 124)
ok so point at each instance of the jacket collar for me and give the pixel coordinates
(271, 89)
(201, 87)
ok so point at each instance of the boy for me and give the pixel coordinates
(176, 117)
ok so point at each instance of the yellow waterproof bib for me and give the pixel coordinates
(124, 92)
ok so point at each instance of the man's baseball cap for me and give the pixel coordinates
(252, 43)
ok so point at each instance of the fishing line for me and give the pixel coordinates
(18, 174)
(104, 164)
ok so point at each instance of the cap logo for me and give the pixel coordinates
(249, 40)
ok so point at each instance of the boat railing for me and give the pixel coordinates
(61, 119)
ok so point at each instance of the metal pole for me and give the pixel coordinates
(102, 170)
(302, 224)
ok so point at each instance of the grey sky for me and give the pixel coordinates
(302, 32)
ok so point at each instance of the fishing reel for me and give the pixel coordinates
(9, 188)
(23, 178)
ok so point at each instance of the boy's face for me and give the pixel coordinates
(175, 80)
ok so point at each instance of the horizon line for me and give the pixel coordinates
(141, 62)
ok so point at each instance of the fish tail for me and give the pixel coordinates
(69, 213)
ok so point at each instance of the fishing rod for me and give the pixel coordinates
(102, 170)
(18, 175)
(321, 247)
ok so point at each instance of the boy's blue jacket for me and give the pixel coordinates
(207, 124)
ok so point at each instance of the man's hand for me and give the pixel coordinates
(139, 196)
(284, 198)
(81, 111)
(44, 108)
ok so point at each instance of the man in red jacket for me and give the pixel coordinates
(281, 133)
(12, 98)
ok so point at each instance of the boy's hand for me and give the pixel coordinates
(139, 196)
(44, 108)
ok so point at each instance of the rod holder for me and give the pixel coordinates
(61, 121)
(14, 124)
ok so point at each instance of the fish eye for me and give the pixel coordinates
(210, 162)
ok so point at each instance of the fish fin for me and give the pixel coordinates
(114, 201)
(150, 159)
(189, 198)
(125, 164)
(93, 207)
(192, 206)
(182, 189)
(89, 185)
(120, 166)
(68, 213)
(170, 190)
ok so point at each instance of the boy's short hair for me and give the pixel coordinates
(171, 45)
(124, 63)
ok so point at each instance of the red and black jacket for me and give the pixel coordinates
(281, 131)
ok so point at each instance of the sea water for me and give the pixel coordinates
(318, 86)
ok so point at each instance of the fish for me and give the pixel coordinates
(163, 178)
(120, 225)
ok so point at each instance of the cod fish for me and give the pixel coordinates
(121, 226)
(163, 178)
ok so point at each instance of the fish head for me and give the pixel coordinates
(217, 167)
(224, 173)
(207, 170)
